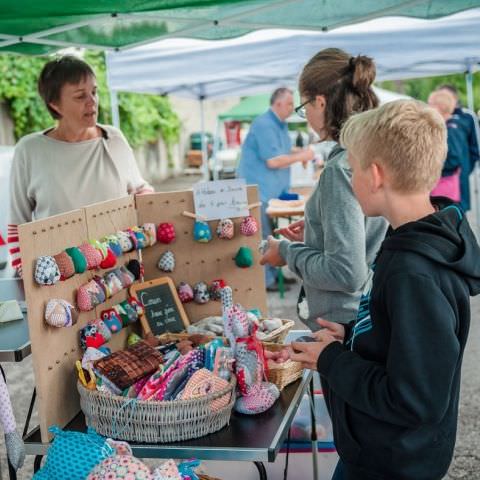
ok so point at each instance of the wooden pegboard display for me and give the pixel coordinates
(203, 261)
(103, 219)
(55, 350)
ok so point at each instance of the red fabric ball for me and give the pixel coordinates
(166, 233)
(110, 260)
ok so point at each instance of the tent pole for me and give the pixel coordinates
(114, 107)
(206, 173)
(471, 107)
(216, 147)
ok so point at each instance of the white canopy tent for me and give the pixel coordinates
(259, 61)
(262, 60)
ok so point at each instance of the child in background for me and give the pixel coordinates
(392, 378)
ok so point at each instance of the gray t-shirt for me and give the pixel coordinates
(50, 176)
(340, 244)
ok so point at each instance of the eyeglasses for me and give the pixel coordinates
(300, 110)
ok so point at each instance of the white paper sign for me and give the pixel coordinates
(221, 199)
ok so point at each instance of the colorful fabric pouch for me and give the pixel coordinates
(92, 255)
(89, 296)
(78, 259)
(65, 265)
(112, 320)
(120, 467)
(150, 232)
(167, 471)
(125, 367)
(125, 241)
(72, 455)
(60, 313)
(140, 237)
(204, 382)
(94, 334)
(46, 270)
(113, 244)
(113, 282)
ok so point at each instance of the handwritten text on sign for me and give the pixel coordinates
(221, 199)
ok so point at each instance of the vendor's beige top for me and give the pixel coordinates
(50, 177)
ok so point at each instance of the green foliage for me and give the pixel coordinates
(143, 118)
(420, 88)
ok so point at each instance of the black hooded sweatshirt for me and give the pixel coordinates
(392, 388)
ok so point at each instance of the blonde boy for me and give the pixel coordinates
(392, 378)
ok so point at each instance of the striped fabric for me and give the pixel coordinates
(14, 248)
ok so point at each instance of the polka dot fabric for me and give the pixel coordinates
(73, 455)
(121, 467)
(6, 415)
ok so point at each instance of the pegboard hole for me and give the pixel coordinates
(187, 263)
(235, 289)
(186, 233)
(182, 200)
(51, 227)
(50, 368)
(59, 225)
(43, 230)
(34, 232)
(202, 261)
(150, 202)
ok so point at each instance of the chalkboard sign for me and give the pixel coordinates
(164, 311)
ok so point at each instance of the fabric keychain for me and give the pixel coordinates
(244, 257)
(140, 240)
(60, 313)
(110, 259)
(225, 229)
(166, 263)
(79, 261)
(93, 256)
(201, 229)
(135, 268)
(166, 233)
(46, 270)
(65, 265)
(185, 292)
(89, 295)
(113, 244)
(112, 320)
(133, 238)
(215, 288)
(150, 232)
(249, 226)
(200, 292)
(103, 285)
(125, 241)
(113, 282)
(94, 334)
(124, 275)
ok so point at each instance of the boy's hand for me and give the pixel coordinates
(272, 254)
(307, 353)
(294, 231)
(336, 330)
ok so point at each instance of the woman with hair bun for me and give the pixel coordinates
(332, 248)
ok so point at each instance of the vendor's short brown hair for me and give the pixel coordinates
(407, 137)
(56, 73)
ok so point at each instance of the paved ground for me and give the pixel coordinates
(466, 463)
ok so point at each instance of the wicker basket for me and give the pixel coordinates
(278, 335)
(154, 422)
(282, 374)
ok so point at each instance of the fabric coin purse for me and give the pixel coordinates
(204, 382)
(46, 270)
(150, 232)
(65, 265)
(92, 255)
(125, 241)
(60, 313)
(89, 296)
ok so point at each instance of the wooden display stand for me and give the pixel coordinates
(55, 350)
(206, 262)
